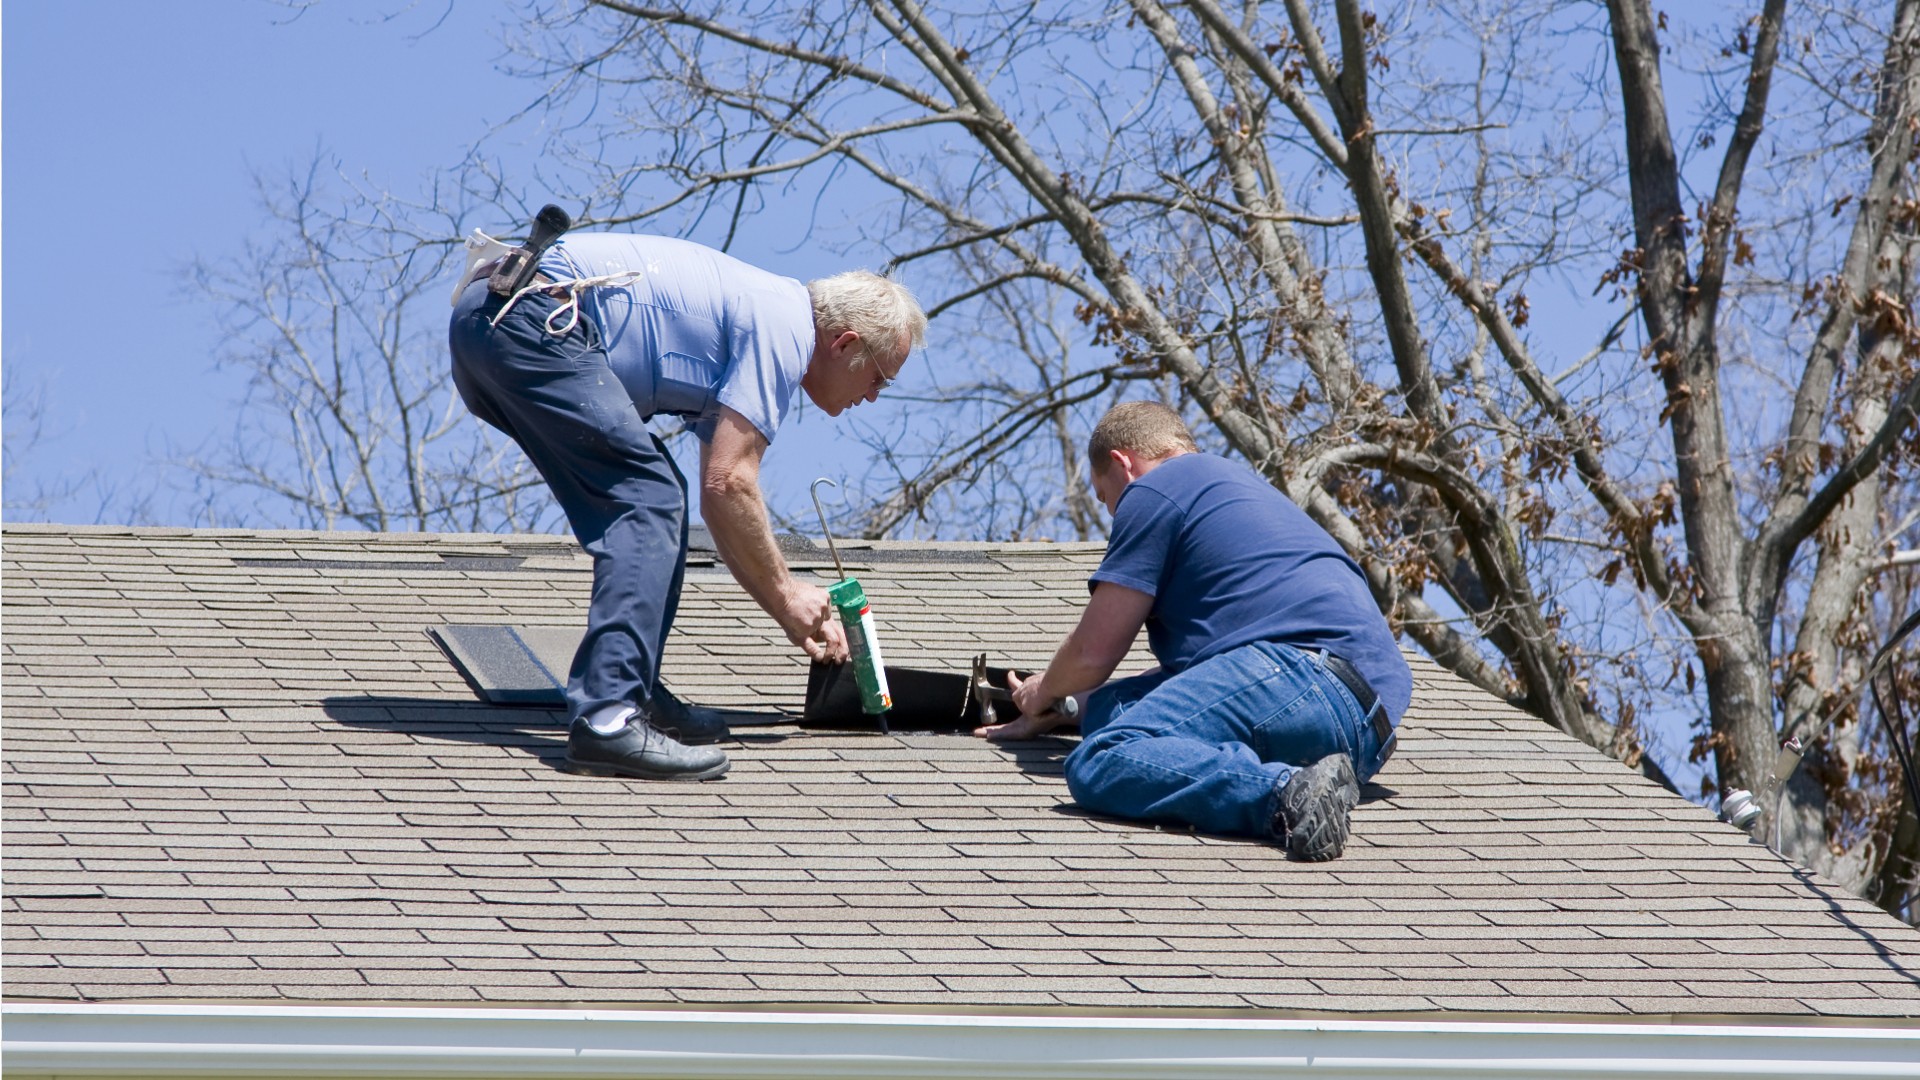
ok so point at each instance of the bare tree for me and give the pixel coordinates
(338, 317)
(1729, 588)
(1326, 233)
(34, 492)
(25, 424)
(980, 435)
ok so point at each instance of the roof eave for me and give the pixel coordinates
(72, 1040)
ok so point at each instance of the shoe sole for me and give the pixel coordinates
(1323, 830)
(601, 768)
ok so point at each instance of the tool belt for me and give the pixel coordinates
(1369, 701)
(482, 271)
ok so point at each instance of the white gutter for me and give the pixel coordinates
(294, 1041)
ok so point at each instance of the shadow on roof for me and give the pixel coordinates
(538, 733)
(1842, 903)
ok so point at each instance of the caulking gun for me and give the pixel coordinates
(863, 639)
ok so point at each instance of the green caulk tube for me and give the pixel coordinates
(850, 600)
(856, 615)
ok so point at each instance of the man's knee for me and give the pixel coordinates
(1083, 783)
(1090, 770)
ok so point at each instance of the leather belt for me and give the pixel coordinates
(481, 272)
(1369, 701)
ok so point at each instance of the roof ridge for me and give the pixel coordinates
(37, 528)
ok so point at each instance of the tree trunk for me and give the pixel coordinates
(1682, 345)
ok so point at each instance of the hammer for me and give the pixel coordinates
(517, 268)
(985, 694)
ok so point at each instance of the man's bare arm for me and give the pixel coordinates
(1084, 661)
(736, 514)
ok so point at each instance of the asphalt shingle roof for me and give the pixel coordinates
(237, 769)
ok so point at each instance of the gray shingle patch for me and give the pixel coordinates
(754, 994)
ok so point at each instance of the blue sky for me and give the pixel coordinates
(131, 134)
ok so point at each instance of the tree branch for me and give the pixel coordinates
(1904, 411)
(1788, 522)
(839, 65)
(1733, 166)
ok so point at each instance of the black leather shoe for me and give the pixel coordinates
(1316, 809)
(639, 750)
(694, 725)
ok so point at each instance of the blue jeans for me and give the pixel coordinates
(622, 493)
(1212, 746)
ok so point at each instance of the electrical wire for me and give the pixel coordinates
(1894, 721)
(1894, 718)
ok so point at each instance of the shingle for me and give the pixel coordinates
(309, 806)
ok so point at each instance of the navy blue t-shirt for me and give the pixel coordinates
(1229, 560)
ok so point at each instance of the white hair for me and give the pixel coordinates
(881, 310)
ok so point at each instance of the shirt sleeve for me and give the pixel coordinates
(766, 362)
(1145, 530)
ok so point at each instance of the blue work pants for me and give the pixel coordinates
(622, 493)
(1212, 746)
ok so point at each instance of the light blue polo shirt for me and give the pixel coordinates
(696, 329)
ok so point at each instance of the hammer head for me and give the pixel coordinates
(982, 692)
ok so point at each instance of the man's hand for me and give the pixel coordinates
(731, 504)
(1026, 694)
(806, 614)
(1105, 632)
(1038, 714)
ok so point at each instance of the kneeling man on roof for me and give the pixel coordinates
(1279, 685)
(614, 330)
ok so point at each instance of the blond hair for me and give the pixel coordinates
(1146, 428)
(881, 310)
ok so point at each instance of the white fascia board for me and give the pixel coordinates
(297, 1041)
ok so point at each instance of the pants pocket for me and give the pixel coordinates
(1306, 729)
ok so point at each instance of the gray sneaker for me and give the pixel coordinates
(1316, 809)
(693, 725)
(641, 751)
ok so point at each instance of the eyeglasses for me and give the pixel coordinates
(883, 380)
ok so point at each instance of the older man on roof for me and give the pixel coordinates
(618, 329)
(1279, 684)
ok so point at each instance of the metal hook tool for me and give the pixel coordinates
(863, 637)
(813, 489)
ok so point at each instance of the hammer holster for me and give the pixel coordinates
(516, 269)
